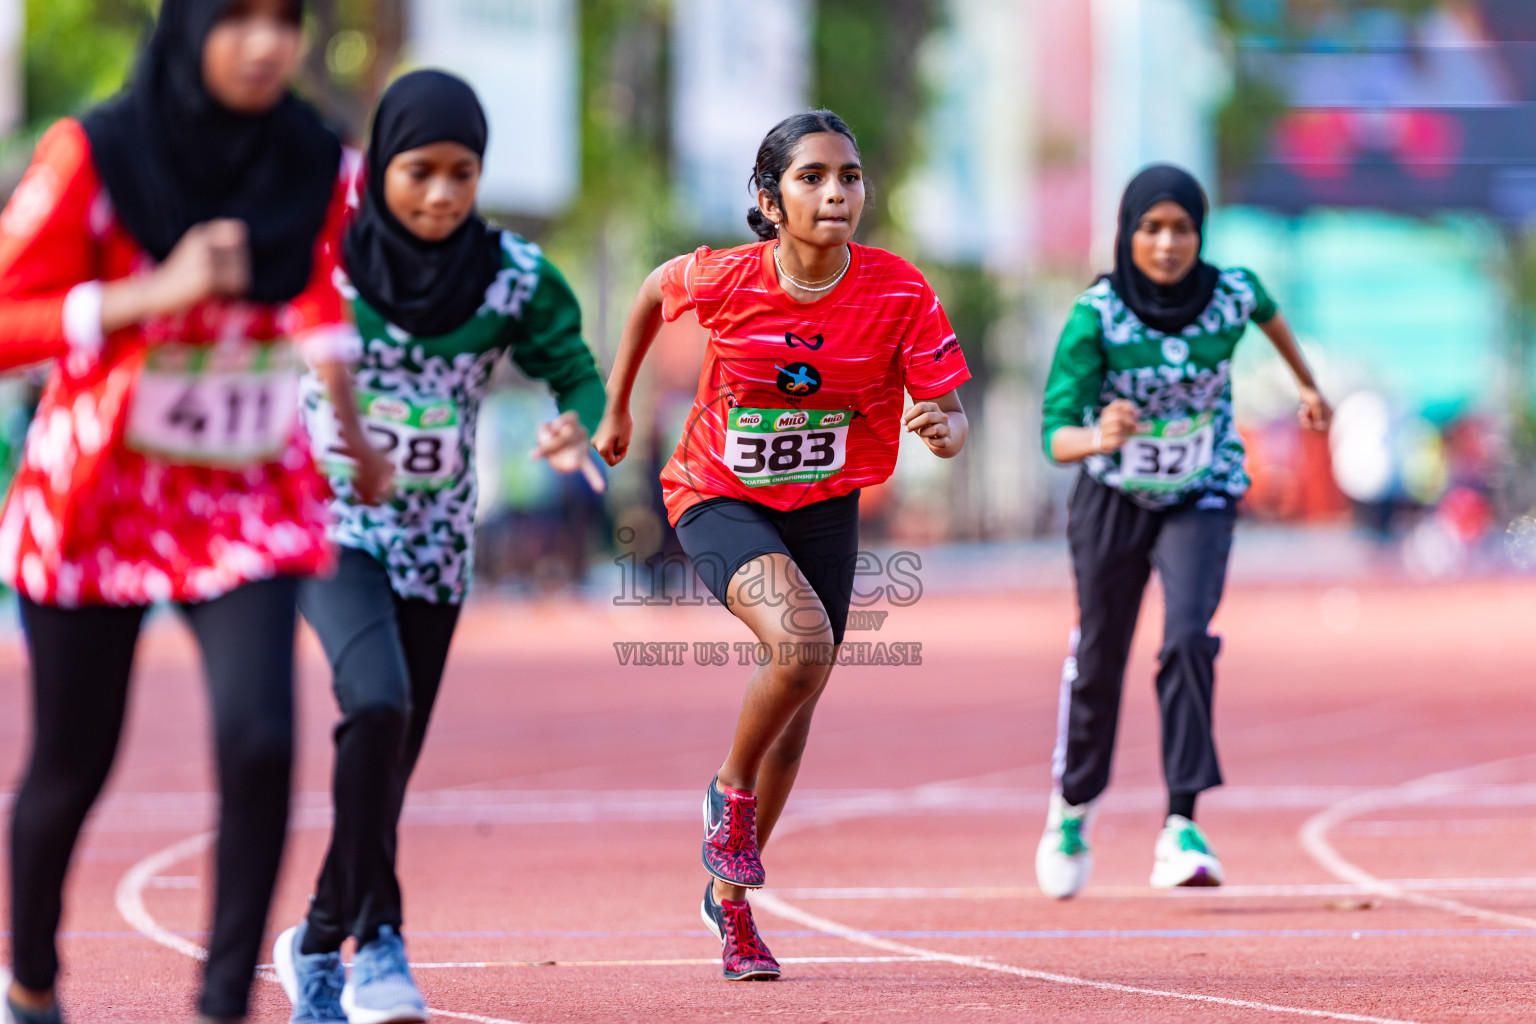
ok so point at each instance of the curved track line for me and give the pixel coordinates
(1313, 837)
(771, 903)
(130, 905)
(130, 894)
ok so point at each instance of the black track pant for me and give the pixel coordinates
(387, 655)
(1115, 544)
(81, 659)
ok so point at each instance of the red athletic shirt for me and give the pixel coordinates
(92, 518)
(801, 401)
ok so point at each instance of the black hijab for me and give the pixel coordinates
(171, 157)
(427, 288)
(1166, 308)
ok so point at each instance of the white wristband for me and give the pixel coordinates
(83, 334)
(1098, 440)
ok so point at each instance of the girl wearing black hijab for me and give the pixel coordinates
(168, 254)
(1140, 393)
(439, 296)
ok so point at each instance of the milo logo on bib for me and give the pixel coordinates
(383, 407)
(785, 446)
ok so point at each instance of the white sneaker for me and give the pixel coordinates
(1063, 860)
(1184, 856)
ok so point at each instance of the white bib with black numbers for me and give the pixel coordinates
(228, 404)
(1169, 455)
(420, 438)
(786, 446)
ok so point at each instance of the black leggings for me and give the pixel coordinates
(81, 660)
(387, 655)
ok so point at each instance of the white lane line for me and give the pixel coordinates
(983, 892)
(1439, 786)
(438, 1011)
(130, 894)
(774, 905)
(712, 961)
(186, 812)
(130, 905)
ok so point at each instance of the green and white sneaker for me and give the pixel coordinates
(1184, 856)
(1063, 860)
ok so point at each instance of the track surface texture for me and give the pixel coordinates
(1377, 824)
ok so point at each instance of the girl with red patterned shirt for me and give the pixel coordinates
(168, 252)
(812, 341)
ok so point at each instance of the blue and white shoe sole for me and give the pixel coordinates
(399, 1015)
(282, 962)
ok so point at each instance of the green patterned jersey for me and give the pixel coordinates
(420, 402)
(1182, 385)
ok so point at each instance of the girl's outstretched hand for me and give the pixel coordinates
(1315, 413)
(563, 443)
(613, 434)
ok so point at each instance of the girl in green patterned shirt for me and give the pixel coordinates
(439, 296)
(1140, 393)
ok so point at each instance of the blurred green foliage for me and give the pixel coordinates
(866, 69)
(78, 52)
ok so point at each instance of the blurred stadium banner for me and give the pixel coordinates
(521, 56)
(1158, 77)
(968, 202)
(1377, 109)
(738, 68)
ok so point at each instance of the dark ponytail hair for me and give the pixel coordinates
(773, 160)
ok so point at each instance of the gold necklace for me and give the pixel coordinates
(830, 282)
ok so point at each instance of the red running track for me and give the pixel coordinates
(1377, 825)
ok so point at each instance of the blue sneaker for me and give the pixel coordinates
(10, 1013)
(313, 982)
(381, 990)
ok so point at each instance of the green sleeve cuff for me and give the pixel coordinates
(588, 399)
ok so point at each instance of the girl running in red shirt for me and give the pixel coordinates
(168, 253)
(812, 341)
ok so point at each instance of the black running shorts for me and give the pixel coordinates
(721, 535)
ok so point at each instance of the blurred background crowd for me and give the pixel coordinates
(1374, 161)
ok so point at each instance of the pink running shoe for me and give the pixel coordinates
(730, 837)
(743, 956)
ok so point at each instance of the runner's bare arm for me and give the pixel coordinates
(1315, 412)
(613, 434)
(375, 474)
(1117, 424)
(940, 422)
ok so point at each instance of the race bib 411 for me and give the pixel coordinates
(786, 446)
(215, 405)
